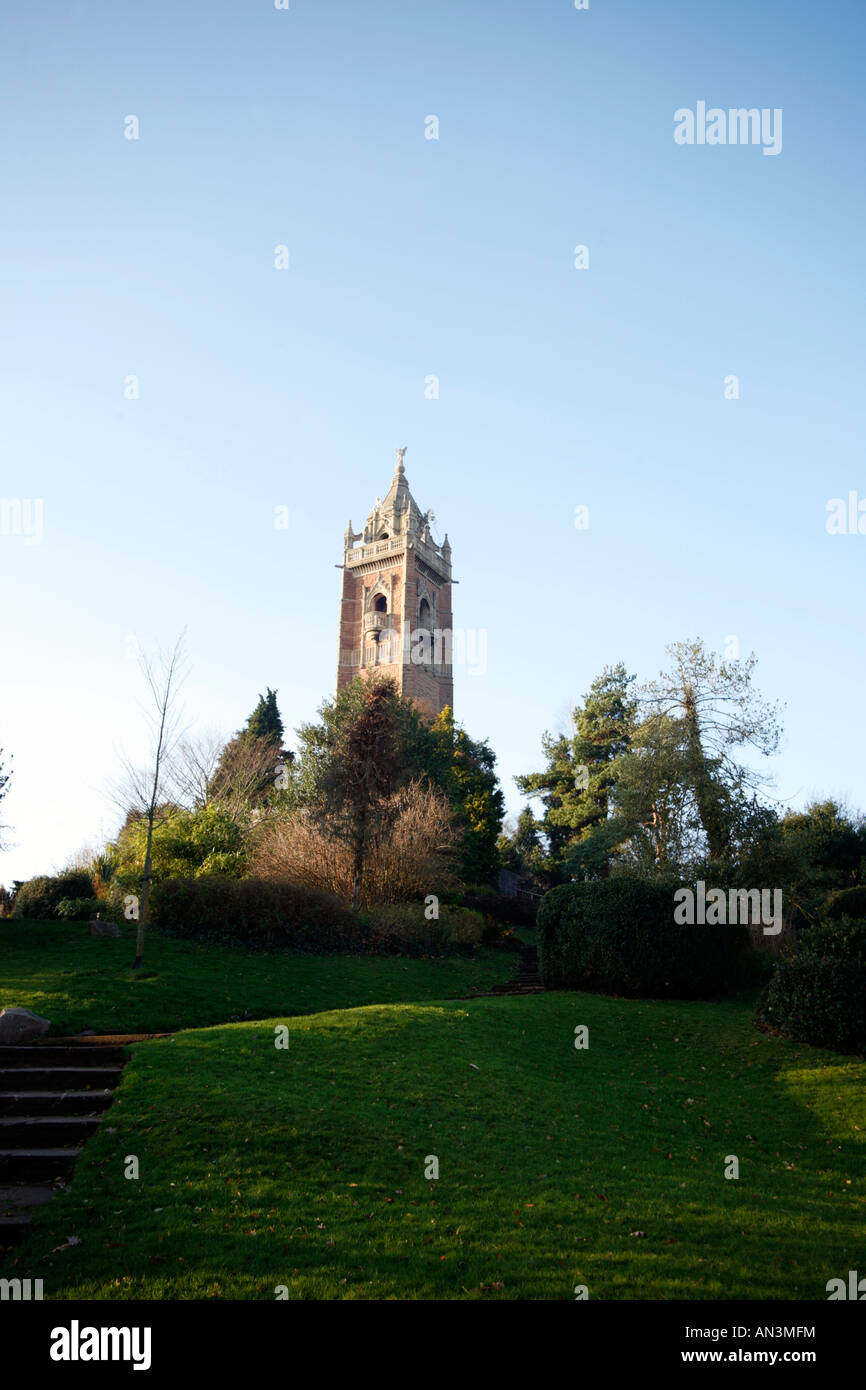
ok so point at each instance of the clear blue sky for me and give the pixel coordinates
(410, 257)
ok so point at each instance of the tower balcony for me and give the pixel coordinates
(371, 552)
(376, 622)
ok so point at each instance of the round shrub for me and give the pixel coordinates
(619, 935)
(819, 996)
(41, 897)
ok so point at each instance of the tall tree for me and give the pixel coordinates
(354, 766)
(576, 786)
(520, 847)
(466, 772)
(720, 713)
(251, 764)
(265, 721)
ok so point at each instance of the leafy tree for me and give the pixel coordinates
(265, 721)
(353, 765)
(829, 842)
(576, 786)
(520, 849)
(720, 713)
(468, 778)
(252, 763)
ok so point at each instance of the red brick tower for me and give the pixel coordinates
(395, 608)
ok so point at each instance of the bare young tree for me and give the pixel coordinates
(140, 787)
(193, 767)
(209, 770)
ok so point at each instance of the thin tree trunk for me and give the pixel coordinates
(144, 904)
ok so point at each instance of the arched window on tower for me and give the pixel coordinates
(424, 614)
(380, 604)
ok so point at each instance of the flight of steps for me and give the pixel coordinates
(527, 980)
(52, 1096)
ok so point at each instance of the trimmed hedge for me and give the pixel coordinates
(819, 996)
(618, 935)
(41, 897)
(251, 912)
(263, 913)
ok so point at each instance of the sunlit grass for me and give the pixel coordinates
(80, 982)
(305, 1167)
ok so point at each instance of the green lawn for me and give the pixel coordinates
(81, 982)
(305, 1167)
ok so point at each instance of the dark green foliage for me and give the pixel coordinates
(819, 996)
(478, 805)
(511, 911)
(41, 897)
(522, 852)
(845, 902)
(618, 935)
(576, 785)
(822, 1002)
(245, 774)
(265, 720)
(250, 912)
(256, 913)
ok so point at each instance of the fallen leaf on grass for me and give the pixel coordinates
(70, 1241)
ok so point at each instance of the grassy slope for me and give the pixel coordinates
(305, 1167)
(79, 982)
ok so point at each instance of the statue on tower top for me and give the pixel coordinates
(400, 453)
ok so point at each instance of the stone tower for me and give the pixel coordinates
(395, 608)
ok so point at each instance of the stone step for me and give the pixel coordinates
(53, 1102)
(30, 1165)
(13, 1229)
(32, 1131)
(22, 1197)
(69, 1055)
(50, 1078)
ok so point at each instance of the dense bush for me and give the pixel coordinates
(619, 935)
(267, 913)
(41, 897)
(404, 929)
(411, 852)
(252, 912)
(845, 902)
(511, 911)
(207, 841)
(82, 909)
(819, 996)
